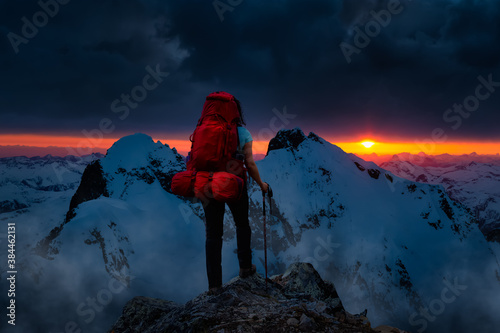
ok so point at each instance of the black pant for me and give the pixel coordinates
(214, 214)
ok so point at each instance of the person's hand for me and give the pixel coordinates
(264, 187)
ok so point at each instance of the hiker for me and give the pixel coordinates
(215, 174)
(214, 214)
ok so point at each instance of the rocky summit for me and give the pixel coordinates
(297, 301)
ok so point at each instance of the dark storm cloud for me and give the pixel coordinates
(269, 54)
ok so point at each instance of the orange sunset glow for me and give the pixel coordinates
(362, 147)
(430, 148)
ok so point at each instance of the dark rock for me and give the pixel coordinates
(142, 312)
(286, 139)
(360, 167)
(374, 173)
(389, 177)
(7, 206)
(445, 206)
(296, 301)
(492, 232)
(92, 186)
(422, 179)
(306, 323)
(312, 136)
(411, 188)
(302, 278)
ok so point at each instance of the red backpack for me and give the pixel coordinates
(215, 139)
(213, 171)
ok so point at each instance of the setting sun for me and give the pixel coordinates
(367, 144)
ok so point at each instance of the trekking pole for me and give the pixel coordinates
(270, 194)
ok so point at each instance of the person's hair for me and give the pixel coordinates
(238, 105)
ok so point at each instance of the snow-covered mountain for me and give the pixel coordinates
(404, 250)
(476, 185)
(33, 189)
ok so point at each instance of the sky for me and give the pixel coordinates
(85, 73)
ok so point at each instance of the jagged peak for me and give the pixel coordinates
(136, 155)
(291, 138)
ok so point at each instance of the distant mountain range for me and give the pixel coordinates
(33, 151)
(473, 183)
(443, 160)
(390, 245)
(26, 181)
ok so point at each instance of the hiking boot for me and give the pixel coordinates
(214, 291)
(246, 272)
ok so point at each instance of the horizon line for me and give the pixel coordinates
(79, 146)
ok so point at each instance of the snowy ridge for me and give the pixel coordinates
(476, 185)
(377, 223)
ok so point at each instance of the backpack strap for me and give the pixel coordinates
(241, 159)
(238, 136)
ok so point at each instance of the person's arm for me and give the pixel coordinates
(252, 167)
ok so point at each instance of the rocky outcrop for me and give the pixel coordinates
(7, 206)
(92, 186)
(290, 139)
(374, 173)
(296, 301)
